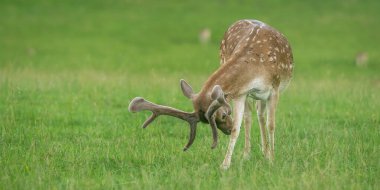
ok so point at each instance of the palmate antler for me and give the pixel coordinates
(217, 100)
(139, 104)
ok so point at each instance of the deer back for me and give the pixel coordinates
(253, 55)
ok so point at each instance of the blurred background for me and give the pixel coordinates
(68, 70)
(163, 37)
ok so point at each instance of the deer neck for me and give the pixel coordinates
(222, 77)
(225, 76)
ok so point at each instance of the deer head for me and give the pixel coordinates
(209, 108)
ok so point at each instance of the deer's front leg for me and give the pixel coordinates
(238, 112)
(247, 127)
(271, 118)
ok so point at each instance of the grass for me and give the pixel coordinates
(69, 69)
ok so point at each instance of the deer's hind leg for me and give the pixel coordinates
(271, 118)
(261, 108)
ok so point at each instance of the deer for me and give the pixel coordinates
(256, 65)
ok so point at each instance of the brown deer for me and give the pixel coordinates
(256, 63)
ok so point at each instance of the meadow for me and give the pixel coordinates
(68, 70)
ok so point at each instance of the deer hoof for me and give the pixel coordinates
(224, 166)
(246, 156)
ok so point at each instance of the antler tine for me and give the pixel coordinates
(193, 132)
(140, 104)
(214, 132)
(210, 116)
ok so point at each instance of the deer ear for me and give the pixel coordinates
(186, 89)
(217, 93)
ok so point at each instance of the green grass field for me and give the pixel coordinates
(68, 70)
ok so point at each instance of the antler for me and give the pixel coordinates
(217, 96)
(139, 104)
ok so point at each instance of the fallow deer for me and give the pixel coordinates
(256, 63)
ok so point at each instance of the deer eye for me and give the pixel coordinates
(224, 115)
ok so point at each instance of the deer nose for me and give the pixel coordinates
(227, 131)
(229, 111)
